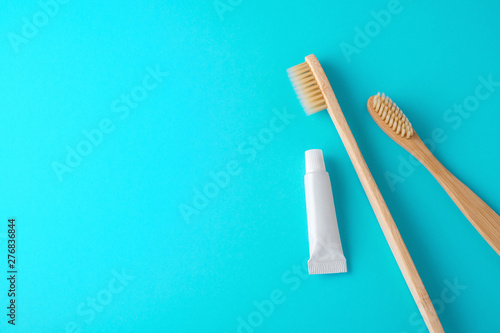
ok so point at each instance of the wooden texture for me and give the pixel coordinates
(480, 215)
(378, 204)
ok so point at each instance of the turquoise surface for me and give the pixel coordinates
(153, 158)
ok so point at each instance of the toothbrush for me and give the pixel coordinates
(316, 94)
(391, 119)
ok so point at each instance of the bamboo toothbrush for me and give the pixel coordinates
(391, 119)
(316, 94)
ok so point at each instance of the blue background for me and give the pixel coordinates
(119, 210)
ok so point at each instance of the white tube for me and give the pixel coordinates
(325, 249)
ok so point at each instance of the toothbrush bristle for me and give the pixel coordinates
(390, 113)
(307, 89)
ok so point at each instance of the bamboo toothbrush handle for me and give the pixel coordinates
(384, 217)
(389, 228)
(479, 214)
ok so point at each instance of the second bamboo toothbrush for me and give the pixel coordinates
(395, 124)
(316, 94)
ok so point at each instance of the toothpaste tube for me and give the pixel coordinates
(325, 249)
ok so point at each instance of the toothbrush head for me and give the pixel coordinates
(306, 86)
(389, 117)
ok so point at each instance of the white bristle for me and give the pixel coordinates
(390, 113)
(307, 89)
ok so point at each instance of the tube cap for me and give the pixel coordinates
(314, 161)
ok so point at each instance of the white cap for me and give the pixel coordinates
(314, 161)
